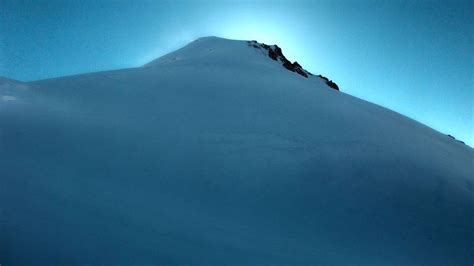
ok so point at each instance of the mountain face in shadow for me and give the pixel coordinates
(218, 153)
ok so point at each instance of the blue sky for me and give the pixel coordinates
(414, 57)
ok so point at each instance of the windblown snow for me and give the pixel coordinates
(215, 154)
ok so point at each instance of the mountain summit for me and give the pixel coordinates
(214, 50)
(224, 152)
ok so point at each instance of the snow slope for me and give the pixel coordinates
(216, 154)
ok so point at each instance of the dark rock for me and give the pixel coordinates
(456, 139)
(272, 54)
(288, 65)
(301, 72)
(332, 85)
(323, 77)
(275, 53)
(278, 51)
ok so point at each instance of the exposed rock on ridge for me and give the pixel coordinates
(275, 53)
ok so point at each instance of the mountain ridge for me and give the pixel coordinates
(217, 154)
(204, 47)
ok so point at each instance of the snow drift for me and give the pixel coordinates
(216, 154)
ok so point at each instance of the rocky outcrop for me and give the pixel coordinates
(275, 53)
(329, 82)
(456, 139)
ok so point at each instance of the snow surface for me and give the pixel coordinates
(217, 155)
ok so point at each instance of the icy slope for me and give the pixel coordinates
(217, 155)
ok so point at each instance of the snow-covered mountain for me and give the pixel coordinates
(220, 154)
